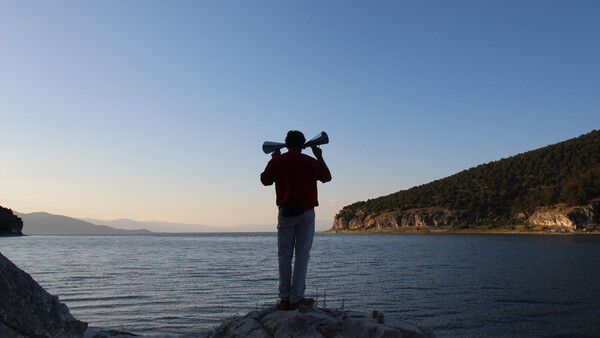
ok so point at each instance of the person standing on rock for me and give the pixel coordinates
(295, 176)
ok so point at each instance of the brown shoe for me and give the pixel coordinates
(282, 304)
(308, 302)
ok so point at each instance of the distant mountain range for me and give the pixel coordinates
(157, 226)
(154, 226)
(43, 223)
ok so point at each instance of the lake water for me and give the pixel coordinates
(458, 285)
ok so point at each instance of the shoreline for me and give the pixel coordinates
(505, 230)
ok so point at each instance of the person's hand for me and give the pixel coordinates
(318, 152)
(276, 153)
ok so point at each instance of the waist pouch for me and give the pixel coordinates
(290, 209)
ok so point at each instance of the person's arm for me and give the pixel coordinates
(325, 173)
(266, 178)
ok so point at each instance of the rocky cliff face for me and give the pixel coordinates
(434, 216)
(316, 322)
(566, 218)
(559, 218)
(27, 310)
(10, 224)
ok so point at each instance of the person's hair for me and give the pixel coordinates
(295, 139)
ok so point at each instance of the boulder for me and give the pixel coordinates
(10, 224)
(27, 310)
(314, 322)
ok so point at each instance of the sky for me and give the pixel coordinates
(157, 110)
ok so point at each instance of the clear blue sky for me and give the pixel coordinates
(156, 110)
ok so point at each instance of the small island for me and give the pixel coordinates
(555, 189)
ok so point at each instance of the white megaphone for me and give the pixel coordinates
(269, 147)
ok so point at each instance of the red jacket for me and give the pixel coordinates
(295, 176)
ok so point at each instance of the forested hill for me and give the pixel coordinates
(500, 192)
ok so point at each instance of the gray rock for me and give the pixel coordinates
(27, 310)
(316, 323)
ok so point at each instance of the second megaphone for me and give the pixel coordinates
(322, 138)
(269, 147)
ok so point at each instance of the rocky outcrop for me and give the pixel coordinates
(314, 322)
(560, 218)
(10, 224)
(422, 217)
(27, 310)
(564, 218)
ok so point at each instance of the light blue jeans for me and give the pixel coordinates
(294, 233)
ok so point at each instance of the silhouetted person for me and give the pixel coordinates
(295, 176)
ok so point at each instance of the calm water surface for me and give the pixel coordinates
(458, 285)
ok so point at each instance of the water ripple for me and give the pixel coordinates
(458, 285)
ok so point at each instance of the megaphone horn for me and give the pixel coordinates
(322, 138)
(269, 147)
